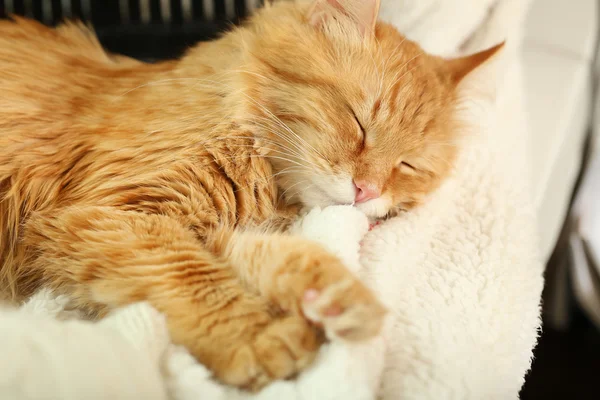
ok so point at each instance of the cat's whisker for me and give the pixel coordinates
(223, 84)
(296, 156)
(293, 157)
(410, 60)
(310, 186)
(396, 80)
(285, 137)
(378, 72)
(393, 53)
(267, 156)
(402, 76)
(224, 138)
(287, 128)
(289, 188)
(298, 150)
(266, 180)
(301, 159)
(288, 170)
(389, 58)
(311, 149)
(285, 159)
(273, 117)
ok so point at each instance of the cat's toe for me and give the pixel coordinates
(286, 347)
(346, 310)
(283, 349)
(242, 369)
(279, 349)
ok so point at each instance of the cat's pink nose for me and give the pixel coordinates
(366, 191)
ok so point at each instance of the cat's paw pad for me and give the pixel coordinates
(346, 310)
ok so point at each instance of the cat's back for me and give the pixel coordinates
(43, 71)
(47, 78)
(62, 115)
(58, 87)
(78, 125)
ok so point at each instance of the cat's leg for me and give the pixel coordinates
(302, 277)
(108, 258)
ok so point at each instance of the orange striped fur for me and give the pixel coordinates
(122, 181)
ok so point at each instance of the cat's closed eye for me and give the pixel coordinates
(406, 168)
(360, 126)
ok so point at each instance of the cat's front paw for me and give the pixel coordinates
(345, 308)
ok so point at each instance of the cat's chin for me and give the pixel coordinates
(376, 208)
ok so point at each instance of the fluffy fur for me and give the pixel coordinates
(122, 181)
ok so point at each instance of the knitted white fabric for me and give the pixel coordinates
(45, 358)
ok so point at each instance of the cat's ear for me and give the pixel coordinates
(477, 74)
(363, 13)
(462, 67)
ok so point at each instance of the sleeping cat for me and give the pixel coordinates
(172, 182)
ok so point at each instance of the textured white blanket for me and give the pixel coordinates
(461, 275)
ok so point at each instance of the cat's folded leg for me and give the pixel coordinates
(106, 258)
(303, 278)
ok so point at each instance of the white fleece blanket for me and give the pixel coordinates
(461, 276)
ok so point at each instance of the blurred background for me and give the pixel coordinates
(561, 70)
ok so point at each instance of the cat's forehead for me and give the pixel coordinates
(389, 81)
(395, 67)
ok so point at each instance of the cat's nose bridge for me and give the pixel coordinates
(371, 174)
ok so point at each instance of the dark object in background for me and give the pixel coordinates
(566, 363)
(144, 29)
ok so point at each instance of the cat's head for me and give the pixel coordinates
(348, 110)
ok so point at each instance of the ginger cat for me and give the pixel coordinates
(170, 183)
